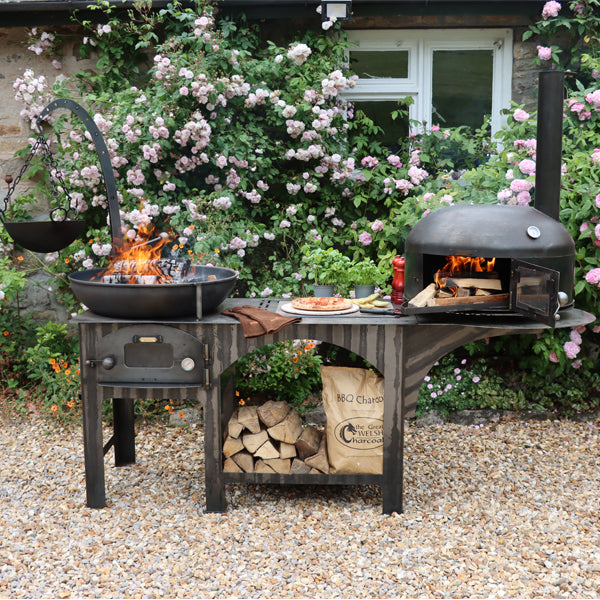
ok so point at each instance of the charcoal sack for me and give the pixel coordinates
(353, 404)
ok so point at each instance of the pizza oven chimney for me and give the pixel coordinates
(549, 143)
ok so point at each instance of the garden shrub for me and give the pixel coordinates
(244, 151)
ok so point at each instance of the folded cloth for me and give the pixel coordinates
(259, 321)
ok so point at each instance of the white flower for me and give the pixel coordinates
(299, 53)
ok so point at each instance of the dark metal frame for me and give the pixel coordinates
(403, 349)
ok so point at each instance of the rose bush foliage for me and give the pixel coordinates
(244, 151)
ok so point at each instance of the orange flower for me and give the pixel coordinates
(54, 408)
(67, 261)
(181, 415)
(67, 371)
(70, 404)
(241, 402)
(19, 258)
(294, 359)
(5, 333)
(52, 361)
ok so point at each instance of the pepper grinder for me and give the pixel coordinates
(398, 264)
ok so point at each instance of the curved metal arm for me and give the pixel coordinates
(105, 164)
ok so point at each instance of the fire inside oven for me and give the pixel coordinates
(456, 280)
(486, 284)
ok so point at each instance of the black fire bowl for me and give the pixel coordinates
(45, 236)
(154, 301)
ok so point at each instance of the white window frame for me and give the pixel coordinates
(421, 44)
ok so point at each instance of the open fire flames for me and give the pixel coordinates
(140, 262)
(463, 280)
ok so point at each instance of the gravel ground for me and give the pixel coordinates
(503, 510)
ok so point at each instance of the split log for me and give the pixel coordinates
(279, 465)
(230, 466)
(232, 446)
(308, 443)
(287, 450)
(248, 417)
(262, 467)
(474, 282)
(234, 427)
(420, 300)
(320, 460)
(253, 441)
(299, 467)
(244, 461)
(267, 450)
(494, 298)
(272, 412)
(288, 430)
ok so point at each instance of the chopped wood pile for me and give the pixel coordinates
(156, 270)
(455, 289)
(271, 439)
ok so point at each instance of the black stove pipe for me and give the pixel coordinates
(549, 143)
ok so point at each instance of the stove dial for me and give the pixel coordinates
(188, 364)
(533, 232)
(109, 362)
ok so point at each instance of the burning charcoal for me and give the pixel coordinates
(112, 278)
(146, 279)
(176, 268)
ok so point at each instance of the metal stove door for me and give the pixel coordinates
(534, 291)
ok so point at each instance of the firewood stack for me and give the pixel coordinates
(461, 289)
(271, 439)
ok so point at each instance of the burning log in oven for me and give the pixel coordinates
(463, 280)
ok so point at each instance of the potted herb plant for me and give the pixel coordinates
(327, 268)
(364, 275)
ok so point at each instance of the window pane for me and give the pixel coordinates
(374, 65)
(462, 87)
(395, 131)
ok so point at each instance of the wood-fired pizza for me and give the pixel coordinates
(321, 303)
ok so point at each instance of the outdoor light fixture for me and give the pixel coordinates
(339, 11)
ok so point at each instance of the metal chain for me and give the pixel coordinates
(58, 213)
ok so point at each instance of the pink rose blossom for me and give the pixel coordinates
(520, 115)
(377, 225)
(553, 357)
(544, 52)
(551, 9)
(520, 185)
(571, 350)
(365, 238)
(593, 276)
(527, 166)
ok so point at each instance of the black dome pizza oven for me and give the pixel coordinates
(482, 258)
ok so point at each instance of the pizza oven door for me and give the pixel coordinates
(534, 292)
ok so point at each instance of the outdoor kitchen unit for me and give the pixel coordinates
(521, 259)
(174, 340)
